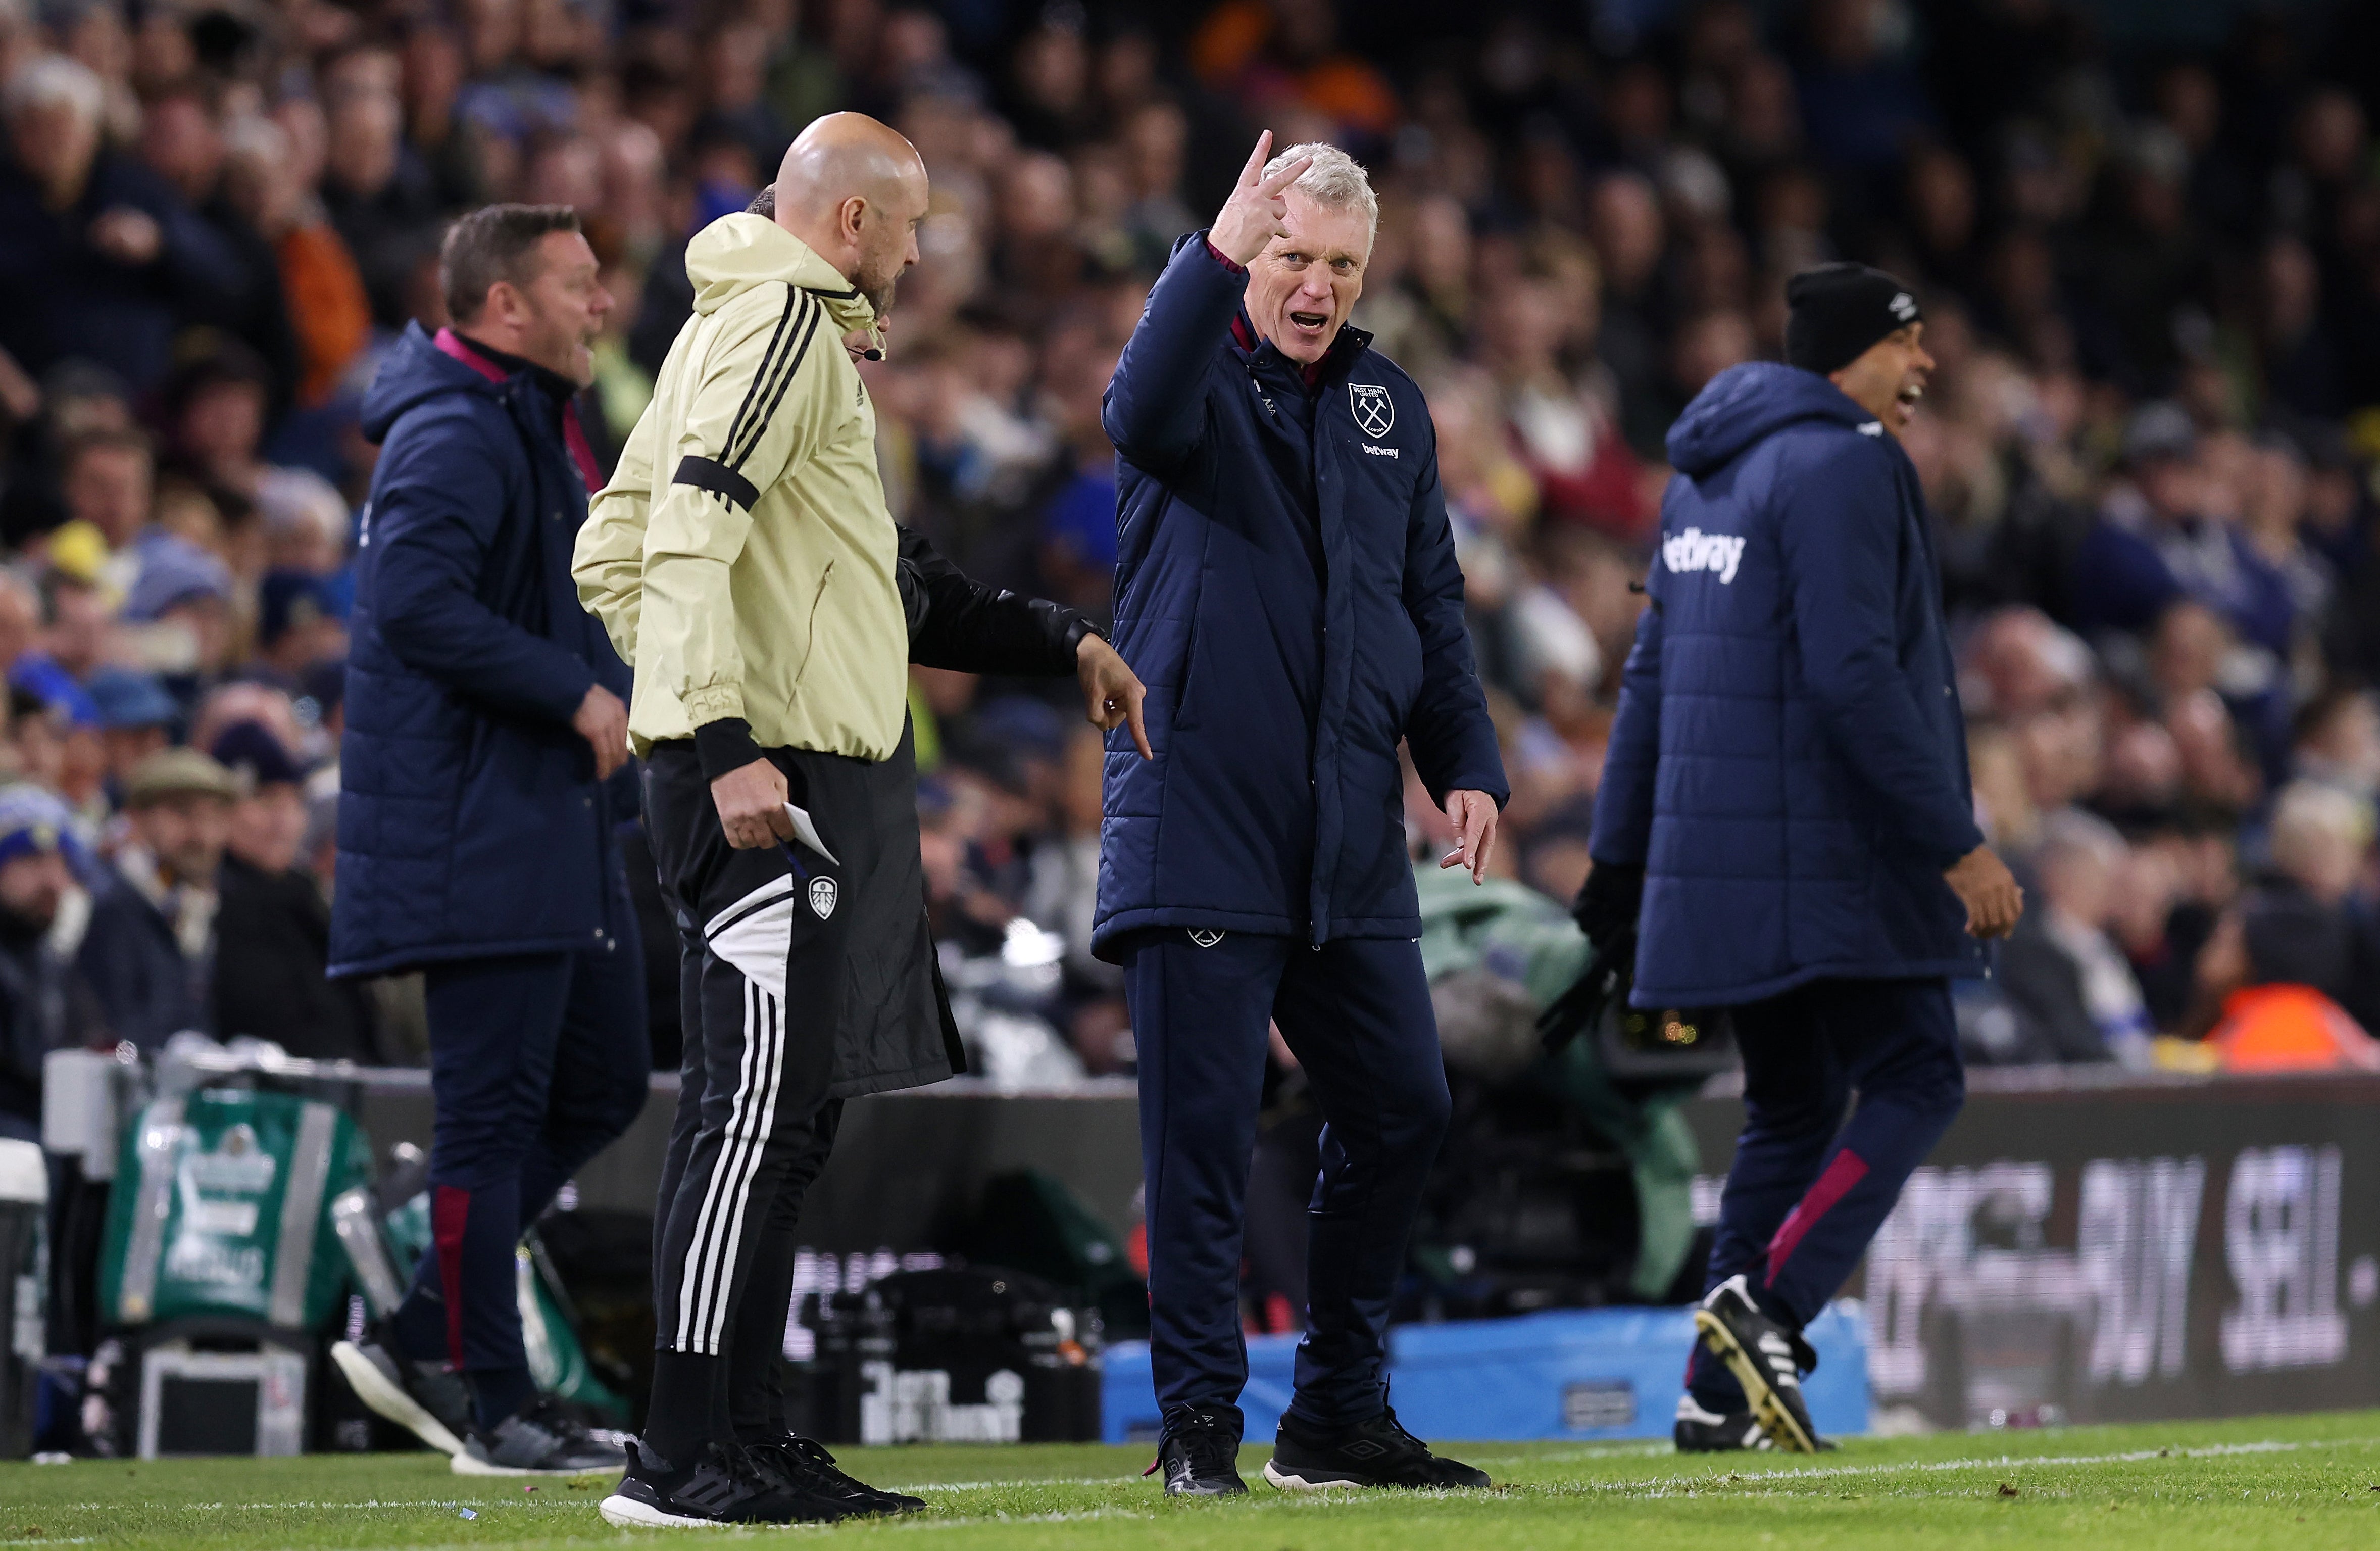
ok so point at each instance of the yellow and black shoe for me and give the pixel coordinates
(1766, 1359)
(1702, 1431)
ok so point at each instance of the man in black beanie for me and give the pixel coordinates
(1785, 828)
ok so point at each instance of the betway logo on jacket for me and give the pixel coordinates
(1695, 549)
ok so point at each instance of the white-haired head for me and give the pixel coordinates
(1336, 180)
(54, 80)
(2319, 834)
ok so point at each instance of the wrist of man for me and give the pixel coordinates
(1077, 630)
(724, 745)
(1234, 266)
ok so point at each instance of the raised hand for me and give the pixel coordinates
(1254, 213)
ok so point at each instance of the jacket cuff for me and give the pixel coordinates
(1078, 626)
(1229, 263)
(724, 745)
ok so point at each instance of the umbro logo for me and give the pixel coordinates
(1364, 1449)
(1903, 306)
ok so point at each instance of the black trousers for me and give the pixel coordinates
(764, 943)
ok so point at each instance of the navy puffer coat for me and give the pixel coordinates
(1287, 589)
(1788, 765)
(470, 820)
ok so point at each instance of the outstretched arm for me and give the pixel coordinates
(959, 623)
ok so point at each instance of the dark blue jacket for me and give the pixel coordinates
(470, 822)
(72, 299)
(1286, 588)
(1788, 765)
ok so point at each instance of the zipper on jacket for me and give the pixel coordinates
(811, 645)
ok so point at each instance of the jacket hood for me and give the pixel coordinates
(1745, 404)
(738, 251)
(414, 369)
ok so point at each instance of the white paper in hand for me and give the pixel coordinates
(807, 833)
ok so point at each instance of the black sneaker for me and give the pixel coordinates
(423, 1398)
(1199, 1455)
(720, 1487)
(1377, 1452)
(541, 1438)
(801, 1468)
(1766, 1359)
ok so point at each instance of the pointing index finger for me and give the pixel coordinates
(1256, 160)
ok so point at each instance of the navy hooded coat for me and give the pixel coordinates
(1788, 765)
(1286, 587)
(470, 822)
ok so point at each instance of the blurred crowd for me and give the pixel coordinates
(2150, 280)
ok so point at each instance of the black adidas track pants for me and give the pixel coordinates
(764, 939)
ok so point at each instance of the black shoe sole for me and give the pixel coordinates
(1767, 1406)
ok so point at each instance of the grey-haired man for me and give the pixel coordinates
(1286, 588)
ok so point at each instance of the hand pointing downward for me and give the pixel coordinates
(1473, 816)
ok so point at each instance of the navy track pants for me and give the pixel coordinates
(537, 1063)
(1809, 1188)
(1357, 1014)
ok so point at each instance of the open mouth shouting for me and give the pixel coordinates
(1910, 392)
(1309, 325)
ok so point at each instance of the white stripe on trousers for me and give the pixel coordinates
(709, 1270)
(773, 1018)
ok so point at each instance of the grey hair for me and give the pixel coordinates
(55, 80)
(1336, 180)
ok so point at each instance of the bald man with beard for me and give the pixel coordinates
(744, 560)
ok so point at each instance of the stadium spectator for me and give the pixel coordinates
(273, 926)
(150, 948)
(46, 1003)
(136, 720)
(115, 255)
(2073, 990)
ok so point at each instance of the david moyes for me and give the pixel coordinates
(1286, 587)
(1785, 826)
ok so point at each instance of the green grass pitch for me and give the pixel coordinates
(2241, 1485)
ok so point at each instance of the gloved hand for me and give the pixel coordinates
(1606, 906)
(1605, 911)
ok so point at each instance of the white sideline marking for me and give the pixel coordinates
(994, 1485)
(2004, 1462)
(1650, 1486)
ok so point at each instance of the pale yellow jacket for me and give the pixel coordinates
(742, 557)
